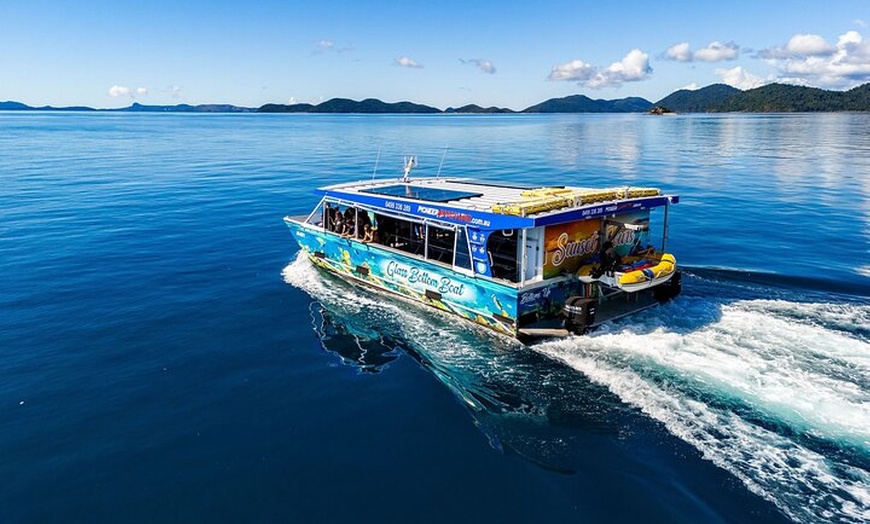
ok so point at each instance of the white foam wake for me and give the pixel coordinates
(762, 388)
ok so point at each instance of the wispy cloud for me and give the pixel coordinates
(633, 67)
(484, 65)
(714, 52)
(329, 46)
(124, 91)
(404, 61)
(808, 59)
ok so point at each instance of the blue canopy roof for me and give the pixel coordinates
(468, 204)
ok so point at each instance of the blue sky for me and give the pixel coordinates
(448, 53)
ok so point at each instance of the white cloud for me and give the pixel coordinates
(717, 52)
(714, 52)
(325, 45)
(484, 65)
(799, 46)
(118, 91)
(740, 78)
(853, 48)
(575, 70)
(811, 60)
(634, 67)
(679, 52)
(691, 87)
(404, 61)
(808, 45)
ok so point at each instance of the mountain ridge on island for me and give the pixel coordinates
(715, 98)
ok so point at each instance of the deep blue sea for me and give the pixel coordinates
(166, 356)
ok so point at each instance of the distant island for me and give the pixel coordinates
(716, 98)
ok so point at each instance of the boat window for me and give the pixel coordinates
(441, 242)
(502, 250)
(328, 216)
(403, 235)
(463, 257)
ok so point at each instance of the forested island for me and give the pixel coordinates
(716, 98)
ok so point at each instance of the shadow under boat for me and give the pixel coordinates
(355, 346)
(522, 401)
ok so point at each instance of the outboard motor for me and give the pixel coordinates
(670, 289)
(579, 314)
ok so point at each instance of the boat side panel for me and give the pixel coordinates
(544, 302)
(475, 299)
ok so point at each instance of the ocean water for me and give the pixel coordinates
(167, 356)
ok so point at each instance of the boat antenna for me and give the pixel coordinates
(444, 154)
(410, 163)
(377, 159)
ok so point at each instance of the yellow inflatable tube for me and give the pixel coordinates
(665, 267)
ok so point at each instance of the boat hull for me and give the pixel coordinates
(527, 312)
(479, 300)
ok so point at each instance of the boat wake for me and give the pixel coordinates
(774, 391)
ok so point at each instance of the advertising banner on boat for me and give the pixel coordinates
(629, 232)
(575, 244)
(569, 246)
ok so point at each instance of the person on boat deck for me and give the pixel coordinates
(348, 220)
(328, 217)
(610, 259)
(364, 221)
(338, 223)
(349, 227)
(368, 234)
(638, 251)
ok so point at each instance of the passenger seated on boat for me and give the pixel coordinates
(349, 228)
(368, 234)
(337, 223)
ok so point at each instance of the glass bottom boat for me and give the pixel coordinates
(526, 261)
